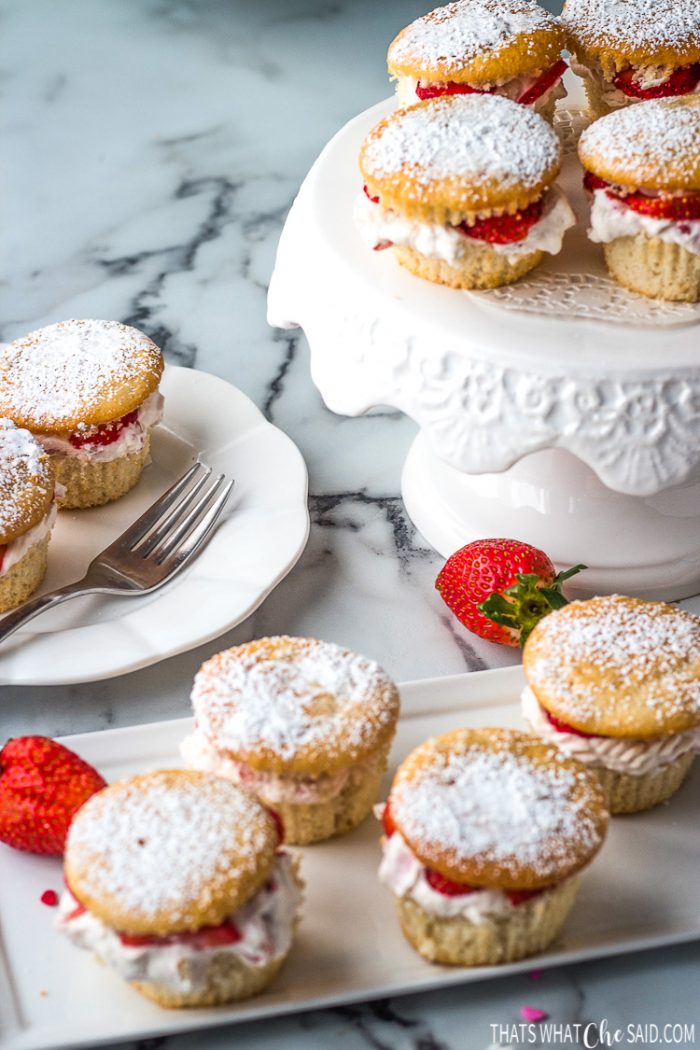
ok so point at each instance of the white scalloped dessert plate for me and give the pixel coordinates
(261, 535)
(641, 892)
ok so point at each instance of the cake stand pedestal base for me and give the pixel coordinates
(644, 546)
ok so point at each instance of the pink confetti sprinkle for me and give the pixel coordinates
(49, 898)
(535, 975)
(531, 1013)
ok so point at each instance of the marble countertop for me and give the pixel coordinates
(152, 149)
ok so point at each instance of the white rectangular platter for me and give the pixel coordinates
(640, 893)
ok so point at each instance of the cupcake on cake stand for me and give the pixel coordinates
(561, 410)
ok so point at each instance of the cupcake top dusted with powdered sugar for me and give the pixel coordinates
(617, 667)
(453, 157)
(294, 705)
(477, 39)
(497, 808)
(76, 374)
(26, 481)
(168, 851)
(654, 145)
(641, 32)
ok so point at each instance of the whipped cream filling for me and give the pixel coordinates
(131, 438)
(611, 218)
(376, 225)
(272, 788)
(646, 76)
(635, 757)
(16, 550)
(513, 88)
(402, 873)
(265, 923)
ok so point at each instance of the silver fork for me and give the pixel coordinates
(150, 552)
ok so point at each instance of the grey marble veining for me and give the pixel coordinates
(151, 149)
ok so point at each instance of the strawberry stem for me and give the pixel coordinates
(521, 606)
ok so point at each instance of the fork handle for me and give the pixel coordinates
(28, 610)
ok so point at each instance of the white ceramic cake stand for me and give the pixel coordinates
(562, 410)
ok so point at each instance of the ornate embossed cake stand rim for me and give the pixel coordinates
(563, 410)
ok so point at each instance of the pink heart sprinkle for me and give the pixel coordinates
(49, 898)
(531, 1013)
(535, 975)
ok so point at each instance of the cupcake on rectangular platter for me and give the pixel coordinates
(499, 47)
(27, 513)
(643, 170)
(629, 51)
(485, 834)
(175, 880)
(615, 683)
(462, 188)
(304, 725)
(88, 391)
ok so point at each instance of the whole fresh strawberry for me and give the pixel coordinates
(500, 589)
(42, 785)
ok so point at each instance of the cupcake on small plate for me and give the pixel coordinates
(176, 881)
(629, 51)
(615, 682)
(88, 391)
(462, 188)
(643, 170)
(500, 47)
(304, 725)
(485, 834)
(27, 513)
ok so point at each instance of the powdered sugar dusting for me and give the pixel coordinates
(639, 24)
(166, 847)
(57, 376)
(23, 466)
(474, 137)
(622, 659)
(499, 806)
(658, 138)
(292, 695)
(450, 37)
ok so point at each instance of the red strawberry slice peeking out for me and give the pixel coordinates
(42, 786)
(499, 588)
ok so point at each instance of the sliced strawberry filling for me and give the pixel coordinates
(682, 208)
(388, 822)
(459, 889)
(543, 83)
(504, 229)
(204, 937)
(564, 727)
(105, 434)
(451, 87)
(681, 82)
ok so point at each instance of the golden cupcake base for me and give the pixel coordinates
(526, 929)
(226, 980)
(480, 268)
(654, 268)
(94, 483)
(24, 577)
(627, 794)
(316, 821)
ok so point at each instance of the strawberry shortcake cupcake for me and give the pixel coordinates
(485, 834)
(629, 51)
(88, 391)
(498, 47)
(27, 513)
(462, 189)
(304, 725)
(176, 880)
(615, 683)
(643, 170)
